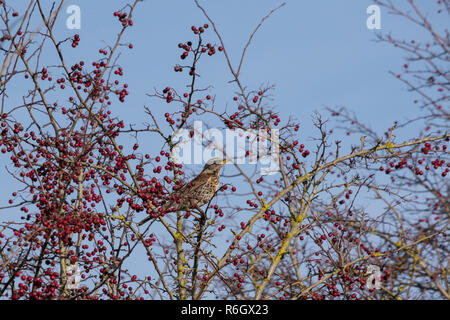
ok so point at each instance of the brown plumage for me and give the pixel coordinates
(197, 192)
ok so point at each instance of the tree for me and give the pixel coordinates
(309, 232)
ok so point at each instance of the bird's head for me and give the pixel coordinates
(213, 165)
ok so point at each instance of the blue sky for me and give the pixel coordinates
(317, 53)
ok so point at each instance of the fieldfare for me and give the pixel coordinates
(196, 193)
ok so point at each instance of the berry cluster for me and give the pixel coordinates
(75, 41)
(123, 18)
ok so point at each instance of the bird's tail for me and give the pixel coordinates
(144, 221)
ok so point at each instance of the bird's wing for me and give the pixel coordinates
(186, 192)
(196, 183)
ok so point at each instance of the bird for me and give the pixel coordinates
(197, 192)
